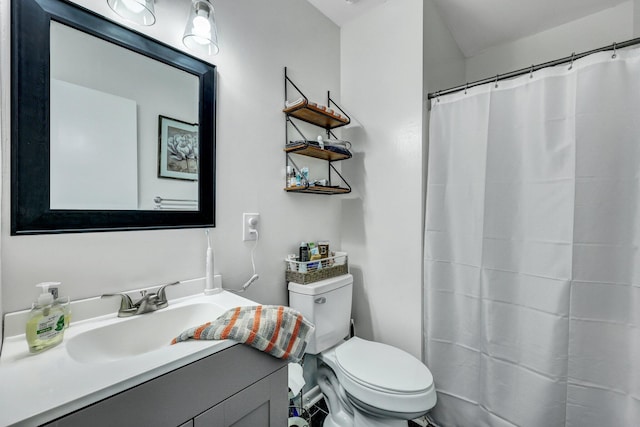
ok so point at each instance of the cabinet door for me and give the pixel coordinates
(259, 405)
(213, 417)
(251, 407)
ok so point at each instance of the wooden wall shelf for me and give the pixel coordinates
(317, 152)
(318, 190)
(322, 116)
(316, 116)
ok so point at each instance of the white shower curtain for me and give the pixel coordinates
(532, 260)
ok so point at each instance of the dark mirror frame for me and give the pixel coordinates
(30, 73)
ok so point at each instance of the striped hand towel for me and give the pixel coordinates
(280, 331)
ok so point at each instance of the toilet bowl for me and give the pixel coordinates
(382, 380)
(365, 383)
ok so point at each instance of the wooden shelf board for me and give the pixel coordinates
(316, 116)
(318, 190)
(316, 152)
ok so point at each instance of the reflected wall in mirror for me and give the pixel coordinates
(88, 101)
(104, 124)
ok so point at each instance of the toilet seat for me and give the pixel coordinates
(382, 377)
(382, 367)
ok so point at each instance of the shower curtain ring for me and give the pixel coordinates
(466, 86)
(573, 56)
(496, 81)
(531, 72)
(615, 55)
(438, 96)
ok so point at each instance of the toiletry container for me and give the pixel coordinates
(46, 324)
(304, 252)
(291, 177)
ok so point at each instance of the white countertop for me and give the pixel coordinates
(38, 388)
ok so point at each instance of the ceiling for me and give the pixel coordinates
(343, 11)
(479, 24)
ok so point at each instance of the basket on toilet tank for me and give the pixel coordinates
(314, 271)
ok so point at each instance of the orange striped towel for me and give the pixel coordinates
(280, 331)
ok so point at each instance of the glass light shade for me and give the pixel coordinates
(201, 34)
(141, 12)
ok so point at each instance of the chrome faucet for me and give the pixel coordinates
(149, 302)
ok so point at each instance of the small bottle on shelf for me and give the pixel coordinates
(291, 177)
(303, 257)
(304, 252)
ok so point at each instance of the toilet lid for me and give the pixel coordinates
(382, 367)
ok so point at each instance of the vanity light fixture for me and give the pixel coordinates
(201, 34)
(141, 12)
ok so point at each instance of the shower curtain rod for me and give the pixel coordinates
(533, 68)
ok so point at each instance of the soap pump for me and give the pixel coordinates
(63, 301)
(45, 327)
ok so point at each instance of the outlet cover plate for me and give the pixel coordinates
(246, 227)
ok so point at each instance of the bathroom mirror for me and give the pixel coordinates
(105, 123)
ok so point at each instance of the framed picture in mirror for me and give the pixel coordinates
(178, 149)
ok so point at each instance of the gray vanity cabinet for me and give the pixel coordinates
(252, 407)
(237, 387)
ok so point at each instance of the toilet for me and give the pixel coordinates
(365, 383)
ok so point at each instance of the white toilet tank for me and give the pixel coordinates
(326, 304)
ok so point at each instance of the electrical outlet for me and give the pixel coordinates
(249, 222)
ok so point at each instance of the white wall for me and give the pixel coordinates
(381, 70)
(593, 31)
(444, 63)
(257, 39)
(636, 18)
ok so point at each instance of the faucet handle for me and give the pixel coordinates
(125, 301)
(162, 296)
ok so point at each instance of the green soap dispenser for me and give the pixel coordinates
(45, 327)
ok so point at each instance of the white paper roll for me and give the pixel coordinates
(296, 379)
(298, 422)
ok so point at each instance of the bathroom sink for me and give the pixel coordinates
(139, 334)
